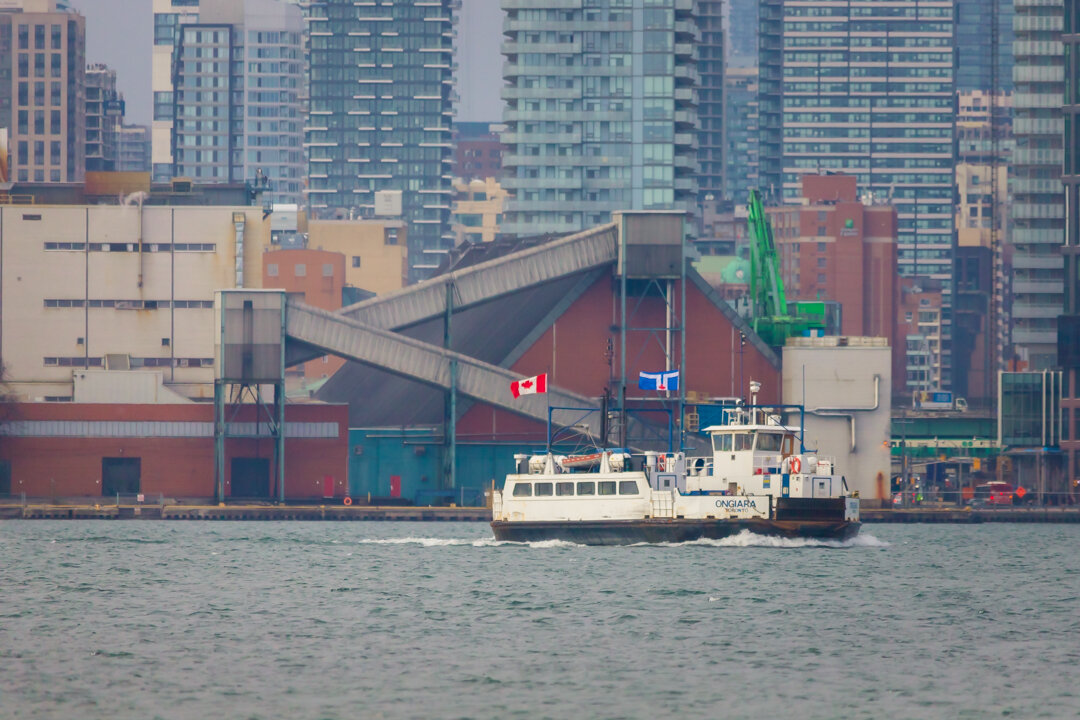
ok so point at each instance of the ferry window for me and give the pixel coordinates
(586, 488)
(543, 488)
(769, 441)
(607, 488)
(628, 487)
(564, 488)
(722, 442)
(522, 489)
(744, 441)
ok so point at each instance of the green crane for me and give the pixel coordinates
(770, 315)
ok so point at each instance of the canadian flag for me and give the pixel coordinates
(529, 386)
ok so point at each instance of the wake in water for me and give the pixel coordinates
(749, 539)
(743, 539)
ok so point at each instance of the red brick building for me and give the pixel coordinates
(478, 151)
(836, 248)
(74, 450)
(317, 278)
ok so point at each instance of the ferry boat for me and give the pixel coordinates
(758, 478)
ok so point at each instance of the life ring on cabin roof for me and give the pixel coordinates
(347, 501)
(796, 465)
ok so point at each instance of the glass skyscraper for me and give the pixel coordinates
(381, 109)
(741, 33)
(600, 111)
(1038, 208)
(868, 89)
(740, 133)
(974, 46)
(710, 62)
(237, 77)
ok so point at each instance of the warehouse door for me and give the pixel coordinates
(5, 478)
(120, 475)
(250, 477)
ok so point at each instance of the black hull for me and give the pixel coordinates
(633, 532)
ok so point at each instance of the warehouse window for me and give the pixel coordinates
(327, 270)
(271, 270)
(300, 270)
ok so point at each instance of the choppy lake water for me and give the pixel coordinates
(151, 619)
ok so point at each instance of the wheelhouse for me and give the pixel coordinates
(767, 439)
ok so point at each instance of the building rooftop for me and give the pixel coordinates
(110, 188)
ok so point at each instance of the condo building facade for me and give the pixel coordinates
(600, 111)
(381, 109)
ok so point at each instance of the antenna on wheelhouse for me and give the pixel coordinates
(755, 388)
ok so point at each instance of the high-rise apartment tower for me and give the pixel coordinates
(43, 91)
(1038, 208)
(600, 111)
(240, 120)
(379, 133)
(866, 89)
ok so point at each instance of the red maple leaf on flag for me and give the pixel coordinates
(529, 386)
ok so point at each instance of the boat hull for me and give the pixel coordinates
(633, 532)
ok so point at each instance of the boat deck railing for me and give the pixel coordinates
(768, 465)
(699, 466)
(776, 465)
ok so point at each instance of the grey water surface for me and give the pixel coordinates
(153, 619)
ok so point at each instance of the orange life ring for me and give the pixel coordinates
(660, 463)
(796, 465)
(347, 501)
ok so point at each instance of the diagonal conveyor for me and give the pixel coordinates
(333, 333)
(489, 280)
(481, 283)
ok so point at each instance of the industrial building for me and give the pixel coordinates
(108, 295)
(100, 283)
(843, 382)
(427, 383)
(163, 451)
(507, 311)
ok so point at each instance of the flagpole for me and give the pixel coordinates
(547, 397)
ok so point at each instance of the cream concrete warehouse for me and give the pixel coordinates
(117, 287)
(854, 430)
